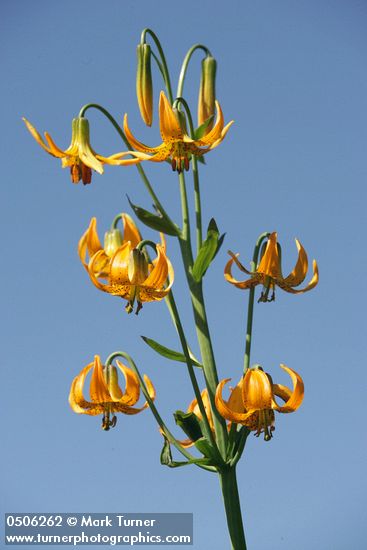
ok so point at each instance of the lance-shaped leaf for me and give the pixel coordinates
(159, 223)
(166, 458)
(208, 251)
(170, 353)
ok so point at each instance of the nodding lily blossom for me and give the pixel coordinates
(130, 275)
(252, 402)
(89, 244)
(177, 145)
(269, 272)
(79, 155)
(106, 396)
(194, 408)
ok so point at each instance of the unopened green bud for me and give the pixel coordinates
(144, 84)
(206, 103)
(112, 241)
(181, 119)
(189, 423)
(137, 270)
(113, 383)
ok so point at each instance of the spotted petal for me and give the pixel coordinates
(134, 142)
(253, 281)
(224, 409)
(132, 389)
(98, 388)
(168, 123)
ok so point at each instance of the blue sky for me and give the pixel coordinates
(292, 76)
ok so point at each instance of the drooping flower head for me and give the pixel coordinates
(252, 402)
(177, 146)
(79, 156)
(269, 272)
(106, 396)
(129, 274)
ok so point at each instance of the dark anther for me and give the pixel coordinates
(113, 421)
(138, 308)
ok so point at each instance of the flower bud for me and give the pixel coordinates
(144, 84)
(112, 380)
(112, 241)
(138, 267)
(189, 423)
(206, 104)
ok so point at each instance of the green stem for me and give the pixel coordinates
(250, 309)
(171, 304)
(152, 407)
(201, 321)
(199, 227)
(232, 507)
(164, 67)
(185, 65)
(195, 173)
(185, 232)
(241, 445)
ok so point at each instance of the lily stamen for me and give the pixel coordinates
(264, 297)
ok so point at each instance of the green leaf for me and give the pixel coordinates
(199, 132)
(190, 424)
(159, 223)
(205, 448)
(220, 242)
(207, 252)
(166, 458)
(170, 353)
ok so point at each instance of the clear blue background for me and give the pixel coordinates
(293, 76)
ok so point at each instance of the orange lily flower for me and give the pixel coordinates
(131, 276)
(106, 396)
(89, 243)
(269, 272)
(177, 145)
(252, 402)
(79, 155)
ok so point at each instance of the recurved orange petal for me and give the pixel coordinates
(313, 282)
(76, 397)
(168, 123)
(98, 388)
(300, 270)
(134, 142)
(36, 135)
(225, 410)
(131, 232)
(132, 389)
(229, 277)
(296, 397)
